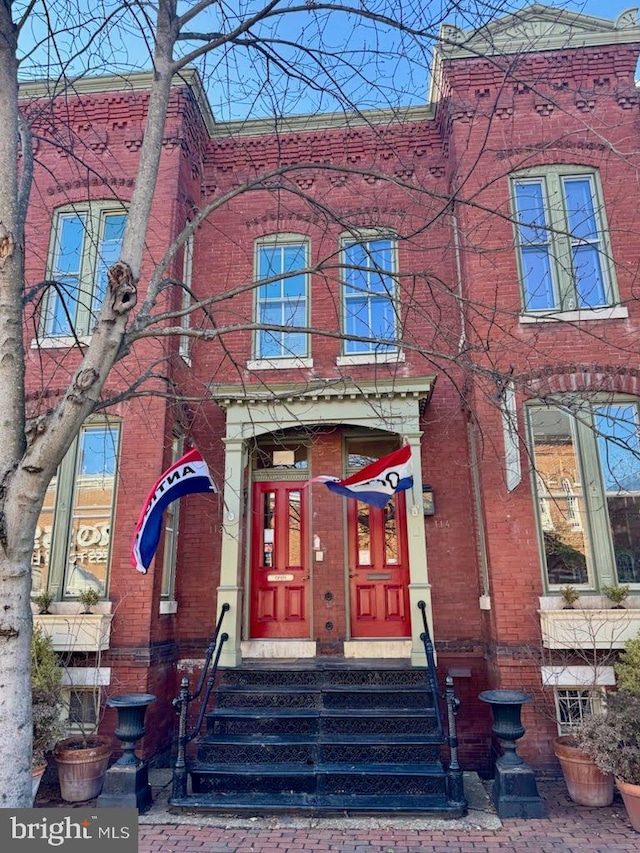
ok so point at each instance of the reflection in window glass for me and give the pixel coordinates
(619, 456)
(295, 530)
(42, 543)
(268, 528)
(90, 531)
(369, 295)
(560, 486)
(364, 534)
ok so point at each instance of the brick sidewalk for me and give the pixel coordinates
(567, 829)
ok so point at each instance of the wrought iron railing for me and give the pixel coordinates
(185, 697)
(455, 786)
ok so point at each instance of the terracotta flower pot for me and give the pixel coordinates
(82, 765)
(586, 783)
(631, 797)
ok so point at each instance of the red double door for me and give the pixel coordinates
(280, 565)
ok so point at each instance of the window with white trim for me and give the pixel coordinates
(573, 704)
(73, 537)
(587, 484)
(369, 290)
(562, 240)
(86, 240)
(283, 299)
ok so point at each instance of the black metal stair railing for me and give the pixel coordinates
(455, 786)
(181, 703)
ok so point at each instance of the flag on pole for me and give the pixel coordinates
(378, 482)
(186, 476)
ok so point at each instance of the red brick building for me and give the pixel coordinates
(460, 276)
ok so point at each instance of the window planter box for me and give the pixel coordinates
(588, 629)
(78, 632)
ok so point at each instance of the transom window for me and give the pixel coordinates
(369, 294)
(587, 482)
(562, 241)
(86, 241)
(73, 536)
(283, 299)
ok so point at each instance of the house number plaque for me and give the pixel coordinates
(279, 577)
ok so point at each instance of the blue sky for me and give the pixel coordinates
(376, 68)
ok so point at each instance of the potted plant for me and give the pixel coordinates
(613, 741)
(88, 597)
(46, 699)
(617, 594)
(43, 601)
(569, 595)
(586, 783)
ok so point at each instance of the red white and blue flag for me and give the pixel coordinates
(185, 477)
(378, 482)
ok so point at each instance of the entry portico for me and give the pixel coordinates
(392, 406)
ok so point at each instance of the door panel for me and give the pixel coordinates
(378, 569)
(279, 562)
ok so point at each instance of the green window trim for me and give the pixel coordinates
(72, 549)
(85, 240)
(586, 487)
(562, 240)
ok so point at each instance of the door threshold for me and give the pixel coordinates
(278, 649)
(377, 649)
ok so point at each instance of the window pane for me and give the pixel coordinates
(40, 560)
(532, 220)
(390, 533)
(268, 528)
(581, 215)
(295, 530)
(535, 247)
(538, 284)
(113, 225)
(282, 302)
(364, 535)
(619, 455)
(67, 263)
(91, 511)
(560, 487)
(589, 280)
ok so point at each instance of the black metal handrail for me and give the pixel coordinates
(181, 703)
(432, 675)
(455, 786)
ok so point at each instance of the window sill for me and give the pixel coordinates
(280, 363)
(62, 342)
(613, 312)
(370, 358)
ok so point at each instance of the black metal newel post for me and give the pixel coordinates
(181, 704)
(455, 785)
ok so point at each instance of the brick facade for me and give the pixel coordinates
(439, 180)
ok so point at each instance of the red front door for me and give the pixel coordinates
(279, 561)
(378, 569)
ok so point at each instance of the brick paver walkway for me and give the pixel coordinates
(567, 829)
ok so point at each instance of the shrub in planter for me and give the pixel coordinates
(613, 741)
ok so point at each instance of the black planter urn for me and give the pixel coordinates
(127, 781)
(515, 792)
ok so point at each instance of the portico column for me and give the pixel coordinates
(230, 588)
(419, 586)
